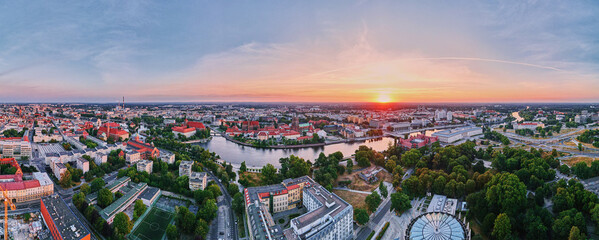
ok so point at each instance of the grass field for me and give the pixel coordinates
(355, 199)
(153, 226)
(574, 160)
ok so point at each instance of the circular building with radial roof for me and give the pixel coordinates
(436, 226)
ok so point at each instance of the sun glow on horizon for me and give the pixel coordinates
(383, 98)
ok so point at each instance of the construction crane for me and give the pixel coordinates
(7, 202)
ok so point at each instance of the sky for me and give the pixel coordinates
(299, 51)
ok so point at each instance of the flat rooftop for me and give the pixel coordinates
(331, 205)
(64, 219)
(112, 209)
(456, 131)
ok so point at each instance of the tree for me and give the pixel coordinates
(237, 204)
(79, 201)
(400, 202)
(390, 165)
(171, 232)
(575, 234)
(185, 220)
(139, 209)
(373, 201)
(121, 224)
(65, 179)
(243, 168)
(105, 197)
(294, 166)
(362, 161)
(562, 200)
(201, 228)
(232, 189)
(269, 175)
(215, 189)
(208, 210)
(506, 193)
(502, 228)
(97, 184)
(439, 185)
(350, 166)
(410, 158)
(85, 188)
(383, 189)
(564, 169)
(201, 195)
(361, 216)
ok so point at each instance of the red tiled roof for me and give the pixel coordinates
(304, 138)
(264, 195)
(183, 129)
(197, 125)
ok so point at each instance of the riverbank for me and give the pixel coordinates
(232, 152)
(310, 145)
(204, 140)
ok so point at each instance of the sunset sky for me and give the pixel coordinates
(299, 51)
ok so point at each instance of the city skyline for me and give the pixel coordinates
(364, 51)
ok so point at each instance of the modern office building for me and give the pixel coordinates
(61, 221)
(528, 125)
(328, 216)
(453, 135)
(439, 222)
(15, 147)
(436, 226)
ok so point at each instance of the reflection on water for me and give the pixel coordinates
(254, 157)
(258, 157)
(517, 116)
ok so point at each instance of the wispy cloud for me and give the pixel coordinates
(150, 50)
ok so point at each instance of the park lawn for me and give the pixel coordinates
(153, 226)
(574, 160)
(357, 200)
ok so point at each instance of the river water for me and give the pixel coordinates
(517, 116)
(258, 157)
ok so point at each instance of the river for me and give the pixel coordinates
(257, 157)
(517, 116)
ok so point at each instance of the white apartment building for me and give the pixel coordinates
(133, 156)
(198, 181)
(145, 166)
(83, 164)
(528, 125)
(185, 168)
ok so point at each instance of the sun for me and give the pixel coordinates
(383, 98)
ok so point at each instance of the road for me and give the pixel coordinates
(230, 220)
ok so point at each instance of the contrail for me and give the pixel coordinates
(22, 67)
(495, 60)
(446, 58)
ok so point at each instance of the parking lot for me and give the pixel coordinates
(169, 204)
